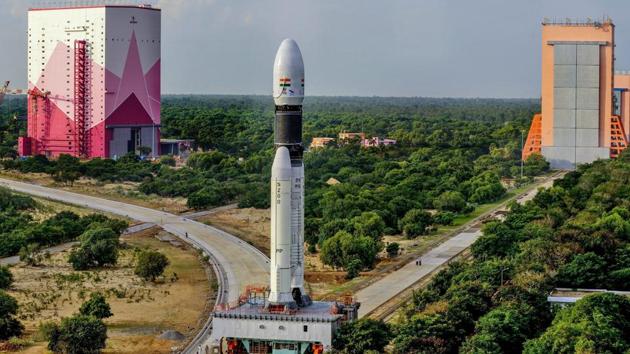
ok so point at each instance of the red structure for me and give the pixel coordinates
(94, 81)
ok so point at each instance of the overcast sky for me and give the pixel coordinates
(439, 48)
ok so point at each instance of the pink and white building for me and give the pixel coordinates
(94, 81)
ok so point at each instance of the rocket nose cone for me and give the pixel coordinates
(288, 74)
(289, 54)
(281, 168)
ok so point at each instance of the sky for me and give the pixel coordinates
(431, 48)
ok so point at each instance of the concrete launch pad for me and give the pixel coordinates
(252, 328)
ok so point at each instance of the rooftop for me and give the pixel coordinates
(40, 5)
(569, 22)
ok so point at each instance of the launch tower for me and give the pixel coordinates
(93, 81)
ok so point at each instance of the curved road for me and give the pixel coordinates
(242, 263)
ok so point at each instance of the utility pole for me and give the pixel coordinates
(522, 147)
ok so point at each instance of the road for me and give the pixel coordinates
(242, 263)
(389, 287)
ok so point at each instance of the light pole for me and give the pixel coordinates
(522, 147)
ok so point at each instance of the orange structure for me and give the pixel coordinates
(534, 138)
(583, 114)
(321, 142)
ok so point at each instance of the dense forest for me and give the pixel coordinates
(573, 235)
(451, 155)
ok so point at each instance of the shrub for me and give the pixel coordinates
(99, 248)
(6, 277)
(78, 334)
(96, 306)
(9, 325)
(392, 249)
(150, 264)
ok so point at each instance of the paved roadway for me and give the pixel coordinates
(391, 285)
(242, 263)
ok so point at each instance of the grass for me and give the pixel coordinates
(142, 310)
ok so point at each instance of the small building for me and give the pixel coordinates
(377, 142)
(347, 136)
(321, 142)
(564, 296)
(175, 147)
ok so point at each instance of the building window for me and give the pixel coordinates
(305, 328)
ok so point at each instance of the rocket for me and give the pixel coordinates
(287, 180)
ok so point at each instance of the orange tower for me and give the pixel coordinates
(578, 123)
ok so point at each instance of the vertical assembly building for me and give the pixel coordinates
(582, 119)
(94, 81)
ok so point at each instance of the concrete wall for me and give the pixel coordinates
(571, 61)
(118, 146)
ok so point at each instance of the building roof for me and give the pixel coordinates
(70, 6)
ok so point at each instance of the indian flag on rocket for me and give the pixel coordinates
(285, 82)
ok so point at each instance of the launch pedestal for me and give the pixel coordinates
(252, 328)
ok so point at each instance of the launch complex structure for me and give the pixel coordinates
(585, 103)
(93, 80)
(282, 318)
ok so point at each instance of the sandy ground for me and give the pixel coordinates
(323, 282)
(142, 310)
(123, 192)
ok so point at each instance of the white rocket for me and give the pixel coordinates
(287, 180)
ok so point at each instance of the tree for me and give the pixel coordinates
(415, 223)
(150, 264)
(362, 336)
(6, 277)
(584, 270)
(369, 224)
(96, 306)
(535, 165)
(9, 325)
(339, 250)
(67, 170)
(31, 254)
(595, 324)
(78, 334)
(98, 248)
(392, 249)
(450, 201)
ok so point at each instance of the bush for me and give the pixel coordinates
(392, 249)
(78, 334)
(6, 277)
(450, 201)
(99, 248)
(362, 336)
(415, 223)
(150, 264)
(9, 325)
(96, 306)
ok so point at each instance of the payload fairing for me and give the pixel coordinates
(287, 181)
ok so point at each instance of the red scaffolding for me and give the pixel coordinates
(80, 89)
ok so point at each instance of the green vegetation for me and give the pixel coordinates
(96, 306)
(575, 234)
(450, 158)
(83, 333)
(6, 277)
(21, 234)
(98, 248)
(9, 325)
(78, 334)
(150, 264)
(362, 336)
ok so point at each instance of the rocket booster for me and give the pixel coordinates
(288, 94)
(281, 228)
